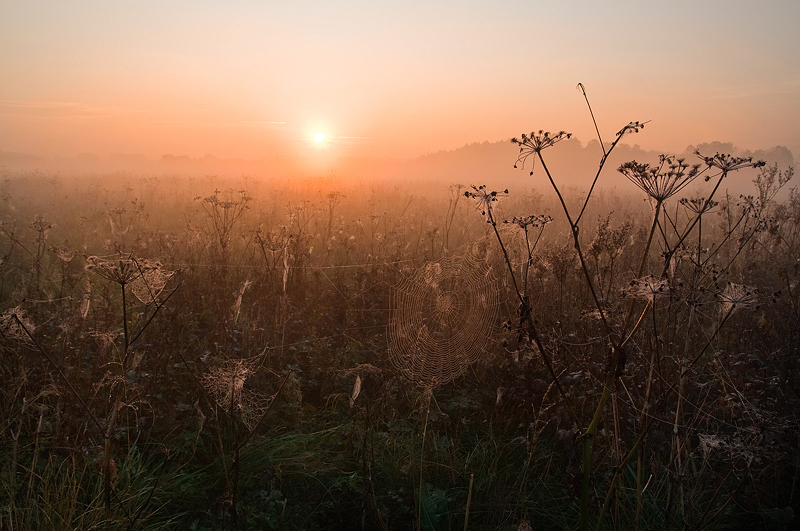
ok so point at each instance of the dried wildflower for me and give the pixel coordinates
(40, 225)
(632, 127)
(63, 254)
(610, 241)
(535, 143)
(275, 240)
(699, 205)
(15, 325)
(737, 296)
(646, 288)
(728, 163)
(531, 221)
(484, 199)
(122, 270)
(663, 181)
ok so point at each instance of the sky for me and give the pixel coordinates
(251, 79)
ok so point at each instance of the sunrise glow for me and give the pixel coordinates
(359, 264)
(88, 77)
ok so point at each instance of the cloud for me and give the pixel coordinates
(62, 109)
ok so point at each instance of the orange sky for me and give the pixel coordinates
(390, 79)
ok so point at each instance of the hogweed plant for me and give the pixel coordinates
(146, 280)
(224, 214)
(228, 389)
(664, 362)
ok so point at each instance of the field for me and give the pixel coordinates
(235, 353)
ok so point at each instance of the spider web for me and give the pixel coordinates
(150, 283)
(441, 319)
(226, 385)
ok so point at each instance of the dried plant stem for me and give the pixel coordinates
(526, 317)
(635, 449)
(694, 222)
(469, 499)
(583, 91)
(422, 453)
(576, 240)
(642, 265)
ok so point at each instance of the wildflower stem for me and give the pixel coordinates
(713, 336)
(642, 265)
(525, 316)
(575, 234)
(505, 253)
(583, 90)
(696, 220)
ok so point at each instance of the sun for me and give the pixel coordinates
(319, 137)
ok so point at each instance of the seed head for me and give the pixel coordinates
(122, 270)
(736, 297)
(663, 181)
(726, 163)
(699, 205)
(647, 288)
(535, 143)
(484, 199)
(531, 221)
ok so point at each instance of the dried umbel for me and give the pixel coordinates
(40, 225)
(727, 163)
(484, 199)
(663, 181)
(16, 326)
(647, 288)
(699, 205)
(122, 270)
(535, 143)
(146, 278)
(532, 221)
(736, 297)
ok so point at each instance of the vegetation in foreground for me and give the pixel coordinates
(210, 354)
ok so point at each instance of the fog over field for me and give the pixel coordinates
(425, 266)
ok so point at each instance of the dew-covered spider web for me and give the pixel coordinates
(441, 319)
(226, 385)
